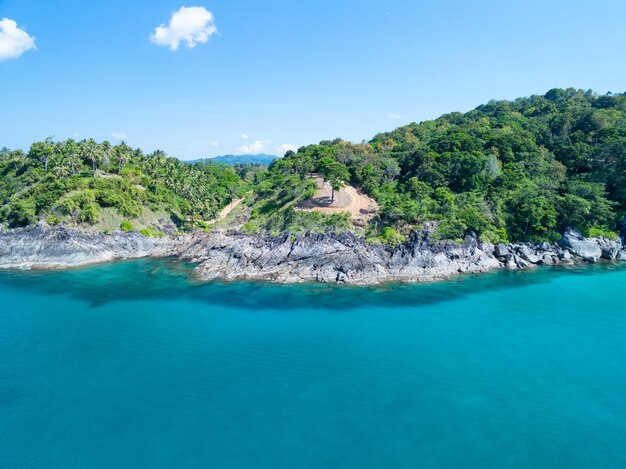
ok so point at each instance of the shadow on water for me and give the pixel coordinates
(167, 279)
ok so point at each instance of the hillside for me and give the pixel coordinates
(108, 187)
(521, 170)
(508, 171)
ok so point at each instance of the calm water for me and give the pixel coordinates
(135, 365)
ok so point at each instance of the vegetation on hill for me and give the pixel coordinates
(520, 170)
(103, 185)
(260, 159)
(508, 170)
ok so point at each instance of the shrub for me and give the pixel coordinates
(390, 236)
(69, 207)
(21, 213)
(151, 232)
(126, 226)
(596, 232)
(53, 220)
(90, 213)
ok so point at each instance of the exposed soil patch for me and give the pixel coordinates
(349, 199)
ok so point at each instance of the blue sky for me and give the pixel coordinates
(290, 72)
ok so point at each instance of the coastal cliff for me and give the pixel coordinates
(331, 258)
(42, 247)
(344, 258)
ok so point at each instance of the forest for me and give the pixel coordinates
(521, 170)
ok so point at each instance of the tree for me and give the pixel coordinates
(121, 155)
(335, 173)
(61, 171)
(42, 152)
(93, 153)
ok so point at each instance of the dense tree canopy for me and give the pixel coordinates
(518, 170)
(508, 170)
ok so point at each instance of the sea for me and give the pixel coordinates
(136, 364)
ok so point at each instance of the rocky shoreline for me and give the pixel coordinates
(331, 258)
(347, 259)
(43, 247)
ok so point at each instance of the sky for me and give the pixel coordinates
(200, 78)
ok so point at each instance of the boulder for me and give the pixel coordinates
(521, 263)
(579, 246)
(502, 250)
(610, 249)
(528, 254)
(622, 230)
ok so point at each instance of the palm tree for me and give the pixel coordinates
(61, 171)
(121, 154)
(93, 153)
(106, 148)
(73, 161)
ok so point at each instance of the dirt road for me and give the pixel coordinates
(347, 199)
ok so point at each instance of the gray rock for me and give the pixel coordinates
(502, 250)
(526, 253)
(521, 263)
(610, 249)
(579, 246)
(335, 258)
(44, 247)
(565, 256)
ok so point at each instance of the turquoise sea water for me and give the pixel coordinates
(135, 365)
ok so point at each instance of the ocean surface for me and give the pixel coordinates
(134, 364)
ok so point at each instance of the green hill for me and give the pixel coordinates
(507, 170)
(102, 185)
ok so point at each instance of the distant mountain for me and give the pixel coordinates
(261, 158)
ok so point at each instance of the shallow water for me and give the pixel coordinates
(135, 365)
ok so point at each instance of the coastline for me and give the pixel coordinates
(327, 258)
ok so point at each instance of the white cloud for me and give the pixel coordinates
(285, 147)
(191, 25)
(256, 147)
(214, 143)
(13, 40)
(391, 115)
(245, 136)
(119, 136)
